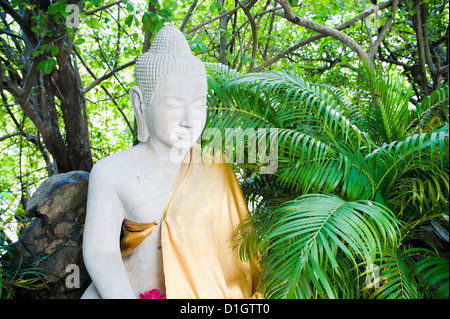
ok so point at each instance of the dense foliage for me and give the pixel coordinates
(362, 180)
(357, 92)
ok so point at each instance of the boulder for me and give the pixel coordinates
(58, 209)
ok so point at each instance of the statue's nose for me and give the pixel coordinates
(186, 121)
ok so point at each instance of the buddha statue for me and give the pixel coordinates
(156, 218)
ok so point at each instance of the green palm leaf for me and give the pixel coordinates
(411, 274)
(434, 270)
(418, 151)
(432, 111)
(396, 275)
(312, 236)
(385, 111)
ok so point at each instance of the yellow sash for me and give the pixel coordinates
(204, 209)
(134, 234)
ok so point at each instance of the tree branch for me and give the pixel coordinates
(341, 37)
(30, 78)
(106, 6)
(421, 49)
(4, 137)
(148, 35)
(316, 37)
(188, 15)
(431, 66)
(213, 19)
(369, 33)
(12, 34)
(443, 70)
(106, 91)
(385, 29)
(254, 31)
(106, 76)
(11, 114)
(18, 18)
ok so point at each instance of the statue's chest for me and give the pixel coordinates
(144, 194)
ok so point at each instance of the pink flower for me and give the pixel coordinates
(153, 294)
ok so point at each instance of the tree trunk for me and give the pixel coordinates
(148, 35)
(36, 92)
(223, 43)
(73, 106)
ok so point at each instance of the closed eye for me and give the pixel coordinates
(173, 102)
(199, 102)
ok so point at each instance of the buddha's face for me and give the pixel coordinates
(177, 112)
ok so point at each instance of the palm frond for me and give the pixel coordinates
(309, 121)
(288, 101)
(397, 280)
(264, 186)
(412, 273)
(434, 270)
(385, 111)
(423, 188)
(415, 152)
(432, 112)
(314, 235)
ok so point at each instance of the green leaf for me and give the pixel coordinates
(246, 59)
(79, 41)
(166, 14)
(202, 47)
(130, 7)
(47, 68)
(129, 20)
(315, 234)
(96, 3)
(54, 8)
(42, 65)
(54, 51)
(187, 36)
(194, 47)
(215, 6)
(145, 18)
(53, 62)
(154, 17)
(95, 24)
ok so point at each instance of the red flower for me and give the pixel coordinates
(153, 294)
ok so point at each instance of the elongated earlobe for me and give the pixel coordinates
(137, 101)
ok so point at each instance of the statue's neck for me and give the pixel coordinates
(164, 154)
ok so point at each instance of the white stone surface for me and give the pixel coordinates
(169, 102)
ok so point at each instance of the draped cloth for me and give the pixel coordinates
(134, 234)
(198, 226)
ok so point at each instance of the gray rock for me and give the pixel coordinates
(59, 208)
(58, 194)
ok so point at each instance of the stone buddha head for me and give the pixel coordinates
(169, 99)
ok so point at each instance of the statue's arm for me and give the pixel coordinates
(101, 247)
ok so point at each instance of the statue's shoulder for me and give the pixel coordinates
(114, 165)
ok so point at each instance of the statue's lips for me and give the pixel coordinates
(187, 137)
(184, 134)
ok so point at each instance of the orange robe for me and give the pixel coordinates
(204, 209)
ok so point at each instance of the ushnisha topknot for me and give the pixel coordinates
(169, 53)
